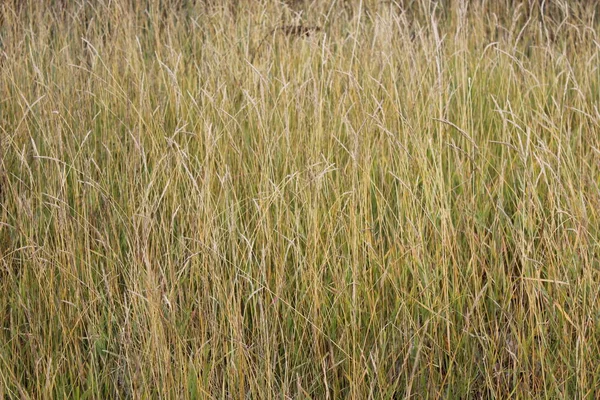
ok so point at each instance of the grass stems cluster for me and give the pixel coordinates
(402, 203)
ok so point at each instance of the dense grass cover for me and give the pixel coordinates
(299, 200)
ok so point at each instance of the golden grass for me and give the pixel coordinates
(402, 204)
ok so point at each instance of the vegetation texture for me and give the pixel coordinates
(336, 199)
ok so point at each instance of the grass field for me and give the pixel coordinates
(336, 199)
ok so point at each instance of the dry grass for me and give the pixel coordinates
(403, 204)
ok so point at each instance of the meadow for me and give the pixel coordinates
(295, 199)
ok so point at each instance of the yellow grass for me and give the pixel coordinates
(218, 200)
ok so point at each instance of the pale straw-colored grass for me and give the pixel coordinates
(403, 204)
